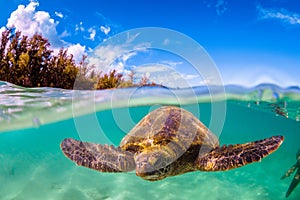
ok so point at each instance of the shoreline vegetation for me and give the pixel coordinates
(30, 62)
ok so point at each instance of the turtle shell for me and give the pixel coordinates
(169, 125)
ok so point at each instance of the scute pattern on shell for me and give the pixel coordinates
(167, 124)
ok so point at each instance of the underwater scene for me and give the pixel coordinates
(34, 121)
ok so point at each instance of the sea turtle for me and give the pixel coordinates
(296, 179)
(169, 141)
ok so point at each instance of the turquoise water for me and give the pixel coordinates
(34, 121)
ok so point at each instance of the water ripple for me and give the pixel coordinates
(32, 107)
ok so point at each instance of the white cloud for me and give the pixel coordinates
(92, 34)
(64, 34)
(30, 21)
(105, 55)
(1, 30)
(279, 14)
(79, 27)
(114, 53)
(167, 76)
(128, 55)
(104, 58)
(105, 30)
(152, 68)
(77, 51)
(171, 63)
(190, 76)
(59, 14)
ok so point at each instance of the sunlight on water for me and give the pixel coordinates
(34, 121)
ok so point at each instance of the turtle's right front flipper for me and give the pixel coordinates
(99, 157)
(290, 171)
(294, 183)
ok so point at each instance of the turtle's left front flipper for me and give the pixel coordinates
(233, 156)
(99, 157)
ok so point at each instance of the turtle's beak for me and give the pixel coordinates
(150, 175)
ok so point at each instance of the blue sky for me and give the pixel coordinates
(250, 41)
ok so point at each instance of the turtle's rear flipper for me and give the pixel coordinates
(103, 158)
(294, 183)
(233, 156)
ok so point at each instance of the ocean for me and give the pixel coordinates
(33, 122)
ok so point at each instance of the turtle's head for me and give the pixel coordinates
(153, 165)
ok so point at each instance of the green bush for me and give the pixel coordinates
(30, 62)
